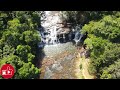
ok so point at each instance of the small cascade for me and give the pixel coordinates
(78, 35)
(53, 36)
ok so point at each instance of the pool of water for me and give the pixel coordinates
(52, 50)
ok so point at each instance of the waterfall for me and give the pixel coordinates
(53, 35)
(48, 31)
(78, 34)
(52, 32)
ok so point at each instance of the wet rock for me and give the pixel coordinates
(70, 57)
(48, 73)
(82, 54)
(56, 67)
(67, 59)
(87, 54)
(48, 62)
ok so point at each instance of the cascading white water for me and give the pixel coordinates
(50, 28)
(53, 35)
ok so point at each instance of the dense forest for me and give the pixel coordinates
(18, 42)
(19, 38)
(104, 44)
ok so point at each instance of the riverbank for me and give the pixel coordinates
(82, 65)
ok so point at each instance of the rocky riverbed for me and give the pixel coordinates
(59, 63)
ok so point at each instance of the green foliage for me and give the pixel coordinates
(105, 75)
(30, 57)
(28, 70)
(107, 28)
(113, 71)
(22, 51)
(30, 37)
(18, 41)
(103, 42)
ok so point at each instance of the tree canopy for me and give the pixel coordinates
(19, 38)
(104, 44)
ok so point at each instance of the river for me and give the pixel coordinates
(58, 59)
